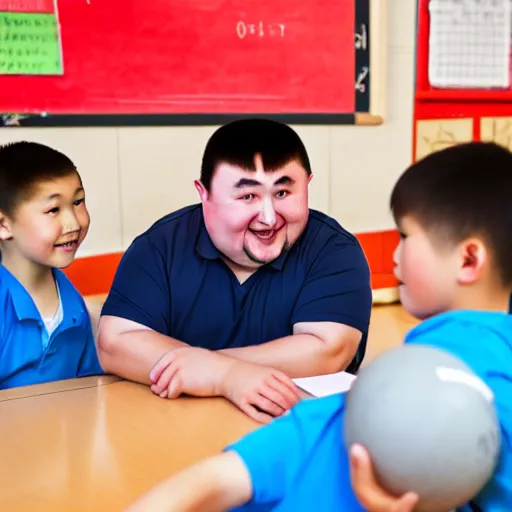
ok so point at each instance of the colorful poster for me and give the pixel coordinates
(30, 42)
(435, 134)
(498, 130)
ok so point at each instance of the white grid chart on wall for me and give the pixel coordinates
(470, 43)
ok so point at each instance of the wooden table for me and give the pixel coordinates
(78, 445)
(98, 443)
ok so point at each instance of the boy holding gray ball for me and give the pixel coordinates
(453, 210)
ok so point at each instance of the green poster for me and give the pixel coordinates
(29, 44)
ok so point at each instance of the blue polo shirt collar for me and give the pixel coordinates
(208, 251)
(204, 245)
(26, 309)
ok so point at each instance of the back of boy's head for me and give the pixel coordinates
(23, 165)
(461, 192)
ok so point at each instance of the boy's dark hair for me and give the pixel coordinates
(460, 192)
(238, 142)
(23, 165)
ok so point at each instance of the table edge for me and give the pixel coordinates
(57, 387)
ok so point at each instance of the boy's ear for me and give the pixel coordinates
(203, 193)
(473, 260)
(5, 227)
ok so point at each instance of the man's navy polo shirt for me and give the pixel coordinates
(70, 352)
(172, 279)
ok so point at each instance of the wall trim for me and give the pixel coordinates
(93, 275)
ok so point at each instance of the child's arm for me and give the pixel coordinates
(213, 485)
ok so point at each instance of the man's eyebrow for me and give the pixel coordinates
(284, 180)
(246, 182)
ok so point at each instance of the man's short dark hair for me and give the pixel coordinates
(238, 142)
(25, 164)
(461, 192)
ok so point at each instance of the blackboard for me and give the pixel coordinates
(161, 62)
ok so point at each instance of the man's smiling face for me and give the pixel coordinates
(252, 217)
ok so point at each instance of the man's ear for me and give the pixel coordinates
(473, 259)
(201, 190)
(310, 177)
(5, 227)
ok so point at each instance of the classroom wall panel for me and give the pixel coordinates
(402, 24)
(366, 162)
(158, 169)
(317, 142)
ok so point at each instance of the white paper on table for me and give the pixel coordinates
(325, 385)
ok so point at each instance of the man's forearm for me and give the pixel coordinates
(298, 355)
(132, 354)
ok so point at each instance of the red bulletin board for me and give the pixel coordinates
(43, 6)
(446, 116)
(199, 58)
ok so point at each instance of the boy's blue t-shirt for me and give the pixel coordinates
(299, 461)
(24, 359)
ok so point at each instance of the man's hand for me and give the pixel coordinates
(260, 391)
(191, 370)
(368, 491)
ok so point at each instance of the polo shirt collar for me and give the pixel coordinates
(72, 303)
(24, 305)
(279, 262)
(208, 251)
(204, 243)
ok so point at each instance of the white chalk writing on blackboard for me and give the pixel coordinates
(360, 85)
(259, 29)
(12, 119)
(361, 39)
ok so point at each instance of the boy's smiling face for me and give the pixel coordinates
(49, 225)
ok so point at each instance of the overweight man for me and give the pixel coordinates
(239, 294)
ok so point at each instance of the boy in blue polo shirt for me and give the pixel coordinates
(454, 213)
(45, 328)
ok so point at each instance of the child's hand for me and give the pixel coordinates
(368, 491)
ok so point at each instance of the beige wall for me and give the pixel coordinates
(133, 176)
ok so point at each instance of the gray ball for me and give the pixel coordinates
(429, 424)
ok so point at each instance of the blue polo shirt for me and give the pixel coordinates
(70, 351)
(172, 279)
(299, 461)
